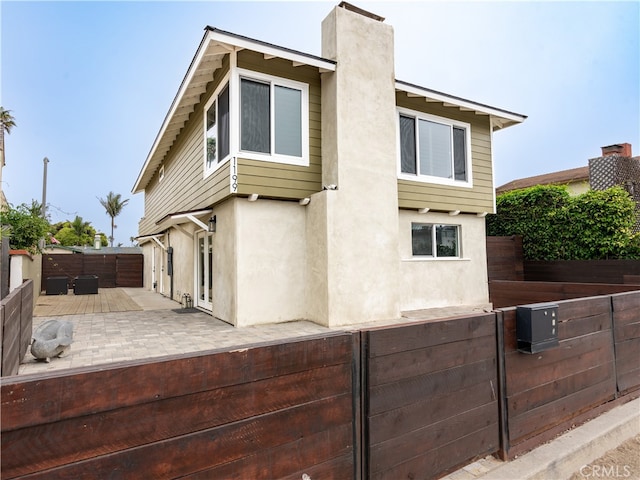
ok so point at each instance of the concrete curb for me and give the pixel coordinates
(564, 456)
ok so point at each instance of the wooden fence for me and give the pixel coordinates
(16, 314)
(113, 270)
(505, 258)
(272, 411)
(583, 271)
(432, 396)
(505, 261)
(405, 401)
(503, 293)
(546, 392)
(626, 334)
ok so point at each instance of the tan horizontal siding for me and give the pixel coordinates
(184, 186)
(272, 179)
(277, 180)
(479, 198)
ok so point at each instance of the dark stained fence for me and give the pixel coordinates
(504, 293)
(505, 258)
(272, 411)
(547, 392)
(113, 270)
(129, 269)
(104, 266)
(583, 271)
(626, 332)
(432, 402)
(16, 313)
(60, 265)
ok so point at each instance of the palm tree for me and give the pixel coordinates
(81, 229)
(113, 205)
(7, 122)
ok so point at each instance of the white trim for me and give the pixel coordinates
(493, 166)
(161, 173)
(429, 178)
(272, 51)
(214, 98)
(430, 95)
(304, 113)
(434, 244)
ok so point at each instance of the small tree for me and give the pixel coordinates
(113, 205)
(26, 226)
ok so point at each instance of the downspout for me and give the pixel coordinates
(170, 264)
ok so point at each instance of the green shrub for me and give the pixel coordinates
(555, 226)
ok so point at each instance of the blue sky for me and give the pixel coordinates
(89, 83)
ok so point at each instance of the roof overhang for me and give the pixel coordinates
(179, 218)
(208, 58)
(499, 118)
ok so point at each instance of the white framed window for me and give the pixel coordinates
(435, 240)
(217, 128)
(274, 118)
(259, 117)
(434, 149)
(161, 174)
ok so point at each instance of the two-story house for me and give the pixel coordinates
(286, 186)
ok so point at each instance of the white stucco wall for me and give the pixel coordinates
(225, 277)
(357, 223)
(431, 283)
(183, 261)
(271, 246)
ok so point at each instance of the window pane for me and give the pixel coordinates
(223, 123)
(407, 145)
(288, 121)
(211, 135)
(447, 240)
(435, 149)
(421, 239)
(254, 114)
(459, 153)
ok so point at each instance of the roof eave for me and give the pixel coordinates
(234, 42)
(501, 118)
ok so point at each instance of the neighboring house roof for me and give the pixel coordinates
(563, 177)
(217, 43)
(99, 251)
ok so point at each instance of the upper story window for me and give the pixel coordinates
(217, 128)
(267, 118)
(434, 149)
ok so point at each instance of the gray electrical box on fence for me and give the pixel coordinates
(537, 327)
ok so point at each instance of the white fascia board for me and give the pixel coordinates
(272, 51)
(193, 67)
(416, 91)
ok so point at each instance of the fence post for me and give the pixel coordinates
(502, 388)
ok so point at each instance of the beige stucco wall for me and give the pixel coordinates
(225, 277)
(357, 223)
(26, 267)
(183, 262)
(433, 283)
(271, 260)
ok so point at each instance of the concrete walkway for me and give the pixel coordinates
(157, 326)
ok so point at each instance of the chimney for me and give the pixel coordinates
(622, 149)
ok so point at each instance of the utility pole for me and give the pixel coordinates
(45, 160)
